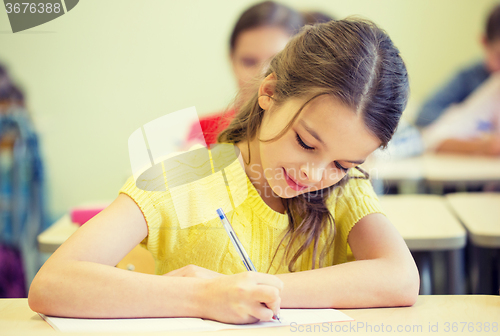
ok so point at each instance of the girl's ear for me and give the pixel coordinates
(266, 91)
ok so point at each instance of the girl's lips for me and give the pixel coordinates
(292, 184)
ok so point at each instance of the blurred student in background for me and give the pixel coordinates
(313, 17)
(464, 115)
(260, 33)
(22, 215)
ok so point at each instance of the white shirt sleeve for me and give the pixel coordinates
(477, 115)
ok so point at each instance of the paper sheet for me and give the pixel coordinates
(288, 316)
(125, 325)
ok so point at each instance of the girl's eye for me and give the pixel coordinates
(341, 167)
(301, 143)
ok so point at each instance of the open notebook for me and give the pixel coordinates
(288, 317)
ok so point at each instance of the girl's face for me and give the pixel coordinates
(326, 140)
(252, 50)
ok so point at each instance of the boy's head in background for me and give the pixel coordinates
(491, 40)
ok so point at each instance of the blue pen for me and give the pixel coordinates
(237, 244)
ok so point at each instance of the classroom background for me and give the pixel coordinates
(96, 74)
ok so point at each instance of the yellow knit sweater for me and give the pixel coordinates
(259, 228)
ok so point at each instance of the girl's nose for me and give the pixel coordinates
(312, 174)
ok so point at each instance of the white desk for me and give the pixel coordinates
(448, 168)
(50, 239)
(436, 170)
(431, 315)
(395, 171)
(424, 221)
(426, 224)
(480, 213)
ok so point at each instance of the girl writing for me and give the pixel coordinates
(311, 222)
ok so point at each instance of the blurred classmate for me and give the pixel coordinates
(21, 202)
(260, 32)
(16, 96)
(463, 116)
(472, 127)
(313, 17)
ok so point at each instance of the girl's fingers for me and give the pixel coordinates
(269, 296)
(267, 291)
(274, 306)
(243, 297)
(266, 294)
(261, 312)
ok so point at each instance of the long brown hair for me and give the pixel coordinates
(352, 60)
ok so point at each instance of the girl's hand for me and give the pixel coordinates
(194, 271)
(242, 298)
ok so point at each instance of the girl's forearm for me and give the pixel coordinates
(358, 284)
(90, 290)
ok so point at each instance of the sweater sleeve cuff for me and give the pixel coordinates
(358, 200)
(366, 205)
(144, 201)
